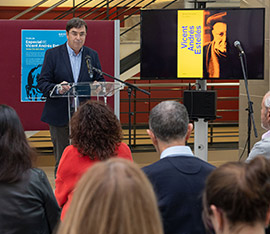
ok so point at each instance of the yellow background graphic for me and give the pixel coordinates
(190, 44)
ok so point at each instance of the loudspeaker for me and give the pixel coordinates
(200, 104)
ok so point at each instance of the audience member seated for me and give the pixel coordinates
(96, 135)
(262, 146)
(27, 202)
(113, 197)
(178, 177)
(237, 198)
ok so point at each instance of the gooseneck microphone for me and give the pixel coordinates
(89, 66)
(237, 45)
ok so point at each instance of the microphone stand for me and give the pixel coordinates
(130, 88)
(250, 103)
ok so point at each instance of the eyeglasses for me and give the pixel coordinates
(75, 34)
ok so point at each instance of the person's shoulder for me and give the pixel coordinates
(199, 160)
(70, 149)
(190, 165)
(35, 176)
(123, 145)
(161, 164)
(260, 148)
(89, 50)
(56, 49)
(266, 139)
(124, 151)
(204, 164)
(69, 153)
(36, 172)
(180, 162)
(262, 144)
(207, 44)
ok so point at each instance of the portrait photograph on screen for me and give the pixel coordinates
(200, 43)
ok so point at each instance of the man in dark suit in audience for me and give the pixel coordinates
(178, 177)
(63, 65)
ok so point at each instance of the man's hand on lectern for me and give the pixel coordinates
(63, 87)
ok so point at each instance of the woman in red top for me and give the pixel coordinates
(96, 135)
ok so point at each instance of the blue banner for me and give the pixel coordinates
(34, 45)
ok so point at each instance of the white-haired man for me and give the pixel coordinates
(262, 147)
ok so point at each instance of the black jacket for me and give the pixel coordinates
(28, 206)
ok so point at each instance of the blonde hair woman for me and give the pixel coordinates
(113, 197)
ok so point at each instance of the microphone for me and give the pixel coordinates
(89, 65)
(237, 45)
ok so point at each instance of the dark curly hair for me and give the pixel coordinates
(95, 130)
(16, 156)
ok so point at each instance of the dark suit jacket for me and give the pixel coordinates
(56, 68)
(178, 183)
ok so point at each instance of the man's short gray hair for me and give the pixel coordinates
(169, 121)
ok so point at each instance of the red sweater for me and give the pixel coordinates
(71, 167)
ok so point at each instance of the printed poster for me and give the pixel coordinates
(34, 45)
(190, 44)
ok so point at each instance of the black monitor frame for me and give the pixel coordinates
(159, 42)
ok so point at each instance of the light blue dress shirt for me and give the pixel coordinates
(176, 151)
(261, 147)
(75, 61)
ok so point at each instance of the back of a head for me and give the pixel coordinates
(113, 197)
(241, 190)
(9, 122)
(267, 100)
(169, 121)
(15, 153)
(95, 130)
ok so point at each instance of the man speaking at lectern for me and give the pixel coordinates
(66, 64)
